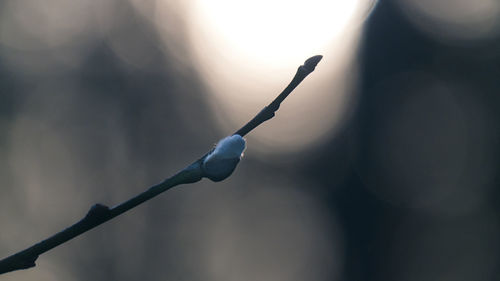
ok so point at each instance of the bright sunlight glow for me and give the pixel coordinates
(276, 29)
(247, 51)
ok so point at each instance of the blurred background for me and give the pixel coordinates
(382, 165)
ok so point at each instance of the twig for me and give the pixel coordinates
(268, 111)
(99, 213)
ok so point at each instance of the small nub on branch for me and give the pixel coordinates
(268, 112)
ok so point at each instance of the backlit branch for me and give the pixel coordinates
(216, 165)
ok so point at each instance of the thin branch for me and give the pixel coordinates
(99, 213)
(268, 111)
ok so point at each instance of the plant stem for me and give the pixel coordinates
(99, 213)
(268, 112)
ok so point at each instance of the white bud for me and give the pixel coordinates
(222, 160)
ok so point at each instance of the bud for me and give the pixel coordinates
(222, 160)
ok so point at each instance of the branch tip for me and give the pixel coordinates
(311, 63)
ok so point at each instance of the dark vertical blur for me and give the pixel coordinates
(421, 199)
(100, 108)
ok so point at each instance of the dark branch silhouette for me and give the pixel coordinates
(99, 213)
(268, 111)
